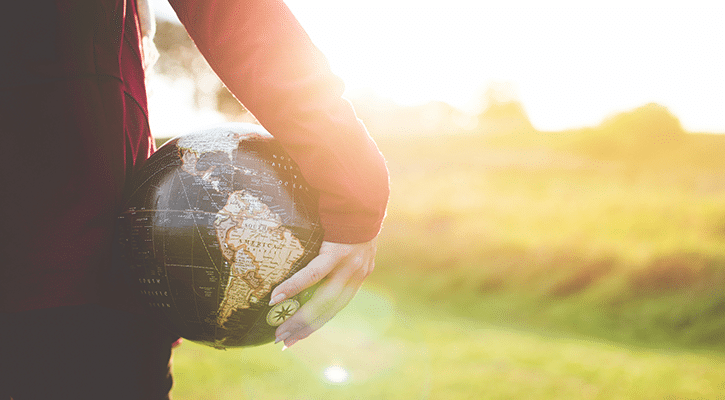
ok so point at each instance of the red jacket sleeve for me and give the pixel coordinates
(268, 62)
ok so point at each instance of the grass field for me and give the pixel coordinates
(391, 351)
(587, 264)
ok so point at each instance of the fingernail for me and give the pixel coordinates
(287, 346)
(282, 337)
(276, 299)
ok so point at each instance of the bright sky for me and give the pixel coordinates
(570, 64)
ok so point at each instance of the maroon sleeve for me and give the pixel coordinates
(268, 62)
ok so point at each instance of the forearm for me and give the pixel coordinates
(268, 62)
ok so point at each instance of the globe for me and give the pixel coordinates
(214, 221)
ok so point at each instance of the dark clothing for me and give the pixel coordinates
(74, 127)
(83, 352)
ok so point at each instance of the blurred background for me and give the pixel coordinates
(557, 218)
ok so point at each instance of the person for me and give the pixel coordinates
(73, 116)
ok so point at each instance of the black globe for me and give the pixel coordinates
(214, 221)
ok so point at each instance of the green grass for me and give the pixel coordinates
(412, 351)
(531, 226)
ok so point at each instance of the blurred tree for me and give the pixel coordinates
(643, 134)
(228, 105)
(651, 123)
(179, 56)
(180, 59)
(502, 112)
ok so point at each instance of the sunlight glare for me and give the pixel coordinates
(336, 374)
(573, 63)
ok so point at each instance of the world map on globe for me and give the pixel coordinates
(215, 220)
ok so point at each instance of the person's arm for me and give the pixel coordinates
(268, 62)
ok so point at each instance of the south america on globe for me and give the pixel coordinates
(214, 221)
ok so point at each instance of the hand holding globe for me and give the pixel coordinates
(343, 267)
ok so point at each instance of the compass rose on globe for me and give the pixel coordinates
(282, 311)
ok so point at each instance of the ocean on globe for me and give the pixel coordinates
(215, 220)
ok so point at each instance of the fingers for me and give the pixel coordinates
(331, 297)
(331, 256)
(342, 268)
(325, 304)
(311, 274)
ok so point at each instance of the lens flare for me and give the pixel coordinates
(336, 374)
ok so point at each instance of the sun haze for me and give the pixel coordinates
(570, 64)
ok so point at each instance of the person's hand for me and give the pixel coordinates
(343, 267)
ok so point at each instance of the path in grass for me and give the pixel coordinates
(377, 349)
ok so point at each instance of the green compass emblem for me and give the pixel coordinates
(282, 311)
